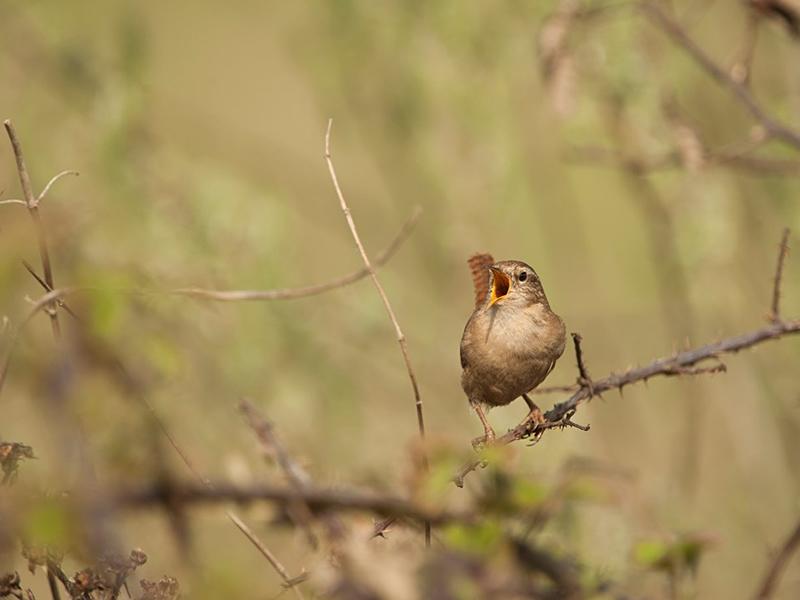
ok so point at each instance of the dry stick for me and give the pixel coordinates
(233, 517)
(783, 250)
(584, 379)
(47, 288)
(295, 474)
(678, 35)
(401, 339)
(311, 290)
(777, 565)
(32, 203)
(318, 500)
(682, 363)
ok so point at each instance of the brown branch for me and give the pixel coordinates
(32, 202)
(262, 548)
(677, 364)
(47, 288)
(45, 301)
(295, 474)
(783, 250)
(311, 290)
(584, 379)
(778, 564)
(319, 500)
(678, 35)
(401, 339)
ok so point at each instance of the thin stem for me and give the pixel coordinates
(783, 250)
(311, 290)
(401, 339)
(32, 203)
(778, 564)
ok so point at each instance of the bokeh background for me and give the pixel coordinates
(198, 129)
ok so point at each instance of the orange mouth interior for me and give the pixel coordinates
(500, 286)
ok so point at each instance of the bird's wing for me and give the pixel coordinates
(478, 266)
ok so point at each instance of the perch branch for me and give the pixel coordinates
(401, 338)
(311, 290)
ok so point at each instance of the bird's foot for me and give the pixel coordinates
(535, 415)
(487, 439)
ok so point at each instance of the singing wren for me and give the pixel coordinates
(512, 340)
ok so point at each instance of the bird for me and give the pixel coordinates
(512, 340)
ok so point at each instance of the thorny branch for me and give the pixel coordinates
(401, 338)
(681, 363)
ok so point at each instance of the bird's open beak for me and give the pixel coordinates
(501, 283)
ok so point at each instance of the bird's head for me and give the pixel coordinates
(515, 283)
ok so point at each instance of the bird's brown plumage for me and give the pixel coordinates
(512, 340)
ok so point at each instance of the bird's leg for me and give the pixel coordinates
(488, 436)
(535, 413)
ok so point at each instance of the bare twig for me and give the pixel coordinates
(32, 203)
(318, 499)
(295, 474)
(678, 35)
(311, 290)
(45, 301)
(266, 552)
(401, 339)
(745, 163)
(584, 379)
(783, 250)
(52, 181)
(778, 564)
(47, 288)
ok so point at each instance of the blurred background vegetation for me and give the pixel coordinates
(198, 134)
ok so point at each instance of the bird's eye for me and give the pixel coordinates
(523, 276)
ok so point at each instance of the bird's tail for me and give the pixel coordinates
(478, 265)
